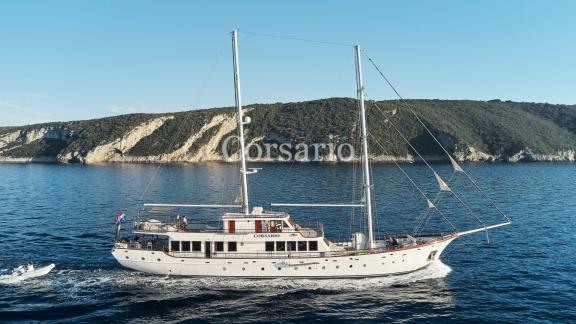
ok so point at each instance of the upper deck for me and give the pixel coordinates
(258, 221)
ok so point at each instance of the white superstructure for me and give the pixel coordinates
(261, 244)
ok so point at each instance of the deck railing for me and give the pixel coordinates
(164, 227)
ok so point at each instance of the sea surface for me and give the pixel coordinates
(64, 215)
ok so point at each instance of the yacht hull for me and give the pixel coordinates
(381, 263)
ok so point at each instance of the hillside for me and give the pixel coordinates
(471, 130)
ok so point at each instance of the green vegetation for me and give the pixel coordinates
(88, 134)
(205, 138)
(495, 127)
(46, 147)
(175, 132)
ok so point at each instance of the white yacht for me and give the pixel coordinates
(254, 243)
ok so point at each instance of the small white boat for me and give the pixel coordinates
(17, 277)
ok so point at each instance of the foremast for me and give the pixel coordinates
(240, 124)
(365, 152)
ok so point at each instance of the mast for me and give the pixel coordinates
(240, 122)
(365, 162)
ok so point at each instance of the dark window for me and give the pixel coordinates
(186, 246)
(313, 245)
(269, 246)
(175, 245)
(291, 246)
(196, 246)
(232, 247)
(219, 246)
(280, 246)
(302, 246)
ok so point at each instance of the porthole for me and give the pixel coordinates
(350, 266)
(182, 260)
(143, 258)
(127, 257)
(152, 252)
(262, 269)
(158, 260)
(279, 268)
(402, 260)
(364, 265)
(337, 267)
(393, 262)
(382, 263)
(296, 268)
(253, 261)
(224, 268)
(243, 269)
(309, 268)
(323, 267)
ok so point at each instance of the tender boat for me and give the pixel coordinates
(18, 277)
(254, 243)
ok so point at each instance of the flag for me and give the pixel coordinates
(120, 218)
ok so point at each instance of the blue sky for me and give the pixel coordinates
(68, 60)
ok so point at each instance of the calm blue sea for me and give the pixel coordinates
(64, 215)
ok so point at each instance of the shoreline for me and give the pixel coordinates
(401, 161)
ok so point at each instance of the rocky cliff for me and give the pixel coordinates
(470, 130)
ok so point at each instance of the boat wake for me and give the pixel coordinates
(78, 281)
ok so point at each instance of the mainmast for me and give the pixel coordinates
(365, 162)
(240, 122)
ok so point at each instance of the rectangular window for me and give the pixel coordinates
(313, 245)
(196, 246)
(269, 246)
(291, 246)
(280, 246)
(232, 247)
(302, 246)
(175, 246)
(219, 246)
(185, 246)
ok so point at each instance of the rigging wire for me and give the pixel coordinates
(295, 39)
(430, 167)
(413, 182)
(409, 107)
(423, 220)
(184, 122)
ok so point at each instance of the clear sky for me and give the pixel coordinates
(68, 60)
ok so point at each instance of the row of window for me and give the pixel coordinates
(196, 246)
(291, 246)
(271, 246)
